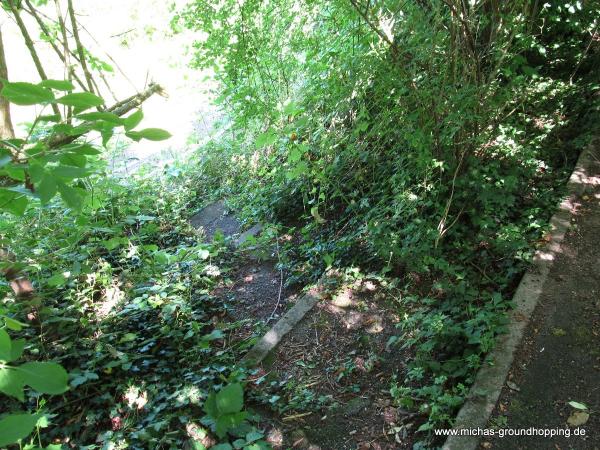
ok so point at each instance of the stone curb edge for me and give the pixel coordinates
(283, 326)
(490, 379)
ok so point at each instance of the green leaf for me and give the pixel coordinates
(151, 134)
(13, 324)
(230, 399)
(47, 189)
(578, 405)
(17, 347)
(133, 120)
(70, 172)
(101, 115)
(291, 109)
(81, 149)
(81, 100)
(71, 159)
(5, 159)
(49, 118)
(295, 155)
(5, 346)
(210, 406)
(298, 170)
(59, 85)
(314, 211)
(228, 421)
(197, 445)
(222, 447)
(106, 134)
(265, 139)
(214, 334)
(128, 337)
(13, 202)
(71, 196)
(58, 279)
(44, 377)
(11, 383)
(253, 436)
(25, 94)
(15, 427)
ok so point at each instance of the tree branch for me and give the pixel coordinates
(30, 47)
(120, 108)
(88, 75)
(63, 56)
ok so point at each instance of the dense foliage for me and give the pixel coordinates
(419, 140)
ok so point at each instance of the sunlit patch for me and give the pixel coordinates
(200, 435)
(212, 270)
(112, 296)
(369, 286)
(353, 312)
(135, 397)
(189, 394)
(545, 256)
(343, 299)
(275, 437)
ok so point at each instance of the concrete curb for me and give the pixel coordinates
(490, 379)
(283, 326)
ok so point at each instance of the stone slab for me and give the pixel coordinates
(274, 336)
(215, 217)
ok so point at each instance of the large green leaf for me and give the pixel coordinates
(101, 115)
(47, 189)
(5, 346)
(70, 172)
(44, 377)
(152, 134)
(13, 324)
(228, 421)
(230, 399)
(210, 406)
(222, 447)
(11, 383)
(13, 202)
(16, 349)
(72, 197)
(15, 427)
(81, 149)
(24, 94)
(59, 85)
(265, 139)
(81, 100)
(73, 159)
(133, 120)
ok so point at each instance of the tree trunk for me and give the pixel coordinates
(6, 128)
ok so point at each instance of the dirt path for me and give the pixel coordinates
(559, 361)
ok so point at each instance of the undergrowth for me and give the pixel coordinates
(124, 303)
(400, 140)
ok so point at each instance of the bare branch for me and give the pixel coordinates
(64, 57)
(6, 128)
(80, 51)
(30, 46)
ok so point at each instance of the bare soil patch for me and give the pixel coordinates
(336, 371)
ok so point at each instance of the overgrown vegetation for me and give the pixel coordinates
(422, 143)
